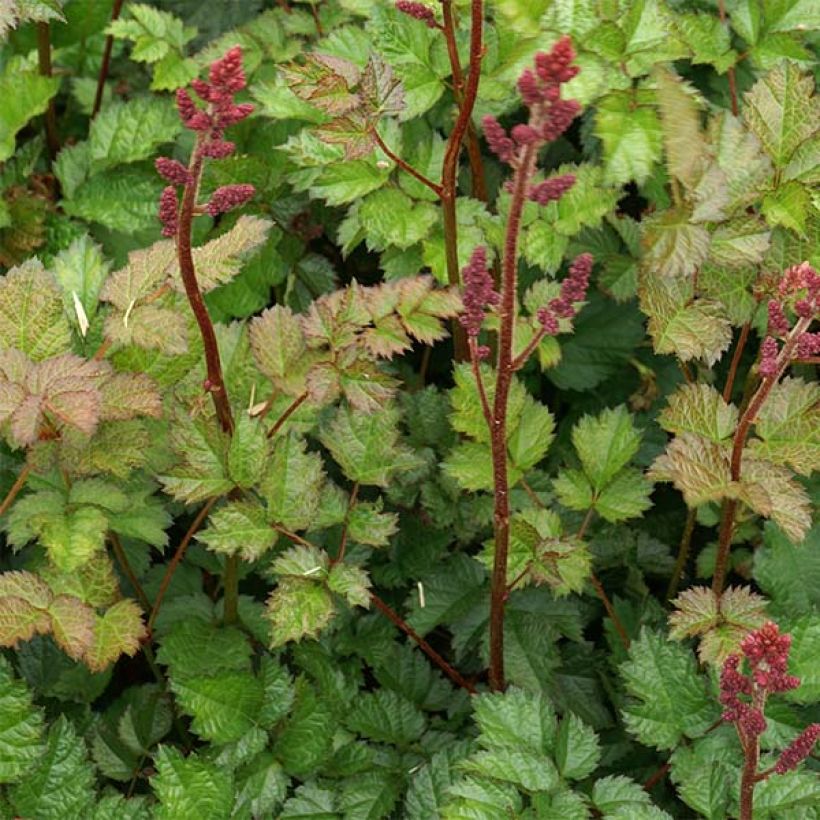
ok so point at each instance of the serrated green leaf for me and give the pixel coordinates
(305, 741)
(386, 717)
(190, 786)
(615, 794)
(700, 409)
(224, 707)
(21, 727)
(194, 647)
(631, 135)
(25, 93)
(240, 527)
(351, 582)
(788, 205)
(661, 677)
(62, 782)
(605, 444)
(516, 719)
(781, 111)
(525, 769)
(367, 447)
(117, 632)
(367, 524)
(298, 608)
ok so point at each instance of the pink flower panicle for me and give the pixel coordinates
(478, 292)
(778, 323)
(225, 78)
(801, 278)
(767, 653)
(808, 345)
(768, 356)
(172, 171)
(794, 754)
(500, 144)
(169, 211)
(573, 290)
(540, 90)
(419, 11)
(228, 197)
(551, 190)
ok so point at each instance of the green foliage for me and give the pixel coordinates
(272, 597)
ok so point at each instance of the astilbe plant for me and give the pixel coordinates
(744, 696)
(549, 117)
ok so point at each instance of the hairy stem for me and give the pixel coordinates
(449, 168)
(452, 673)
(498, 428)
(106, 61)
(751, 750)
(178, 556)
(18, 485)
(44, 64)
(683, 554)
(479, 186)
(216, 383)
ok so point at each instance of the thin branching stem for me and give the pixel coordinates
(736, 357)
(179, 554)
(128, 571)
(451, 672)
(288, 412)
(405, 166)
(683, 554)
(18, 485)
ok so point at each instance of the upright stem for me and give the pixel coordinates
(751, 748)
(216, 382)
(730, 378)
(498, 431)
(739, 442)
(44, 62)
(125, 566)
(479, 186)
(106, 61)
(449, 168)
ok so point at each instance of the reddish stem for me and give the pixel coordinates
(289, 411)
(106, 61)
(340, 556)
(739, 442)
(15, 489)
(731, 72)
(452, 673)
(479, 380)
(194, 294)
(730, 379)
(405, 166)
(44, 63)
(449, 168)
(498, 429)
(178, 556)
(610, 610)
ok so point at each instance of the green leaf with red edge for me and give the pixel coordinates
(700, 409)
(72, 625)
(117, 632)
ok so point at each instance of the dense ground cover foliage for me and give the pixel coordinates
(409, 409)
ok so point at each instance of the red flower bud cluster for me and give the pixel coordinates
(794, 754)
(540, 90)
(478, 293)
(573, 290)
(799, 289)
(419, 11)
(173, 171)
(169, 211)
(228, 197)
(226, 77)
(551, 190)
(767, 653)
